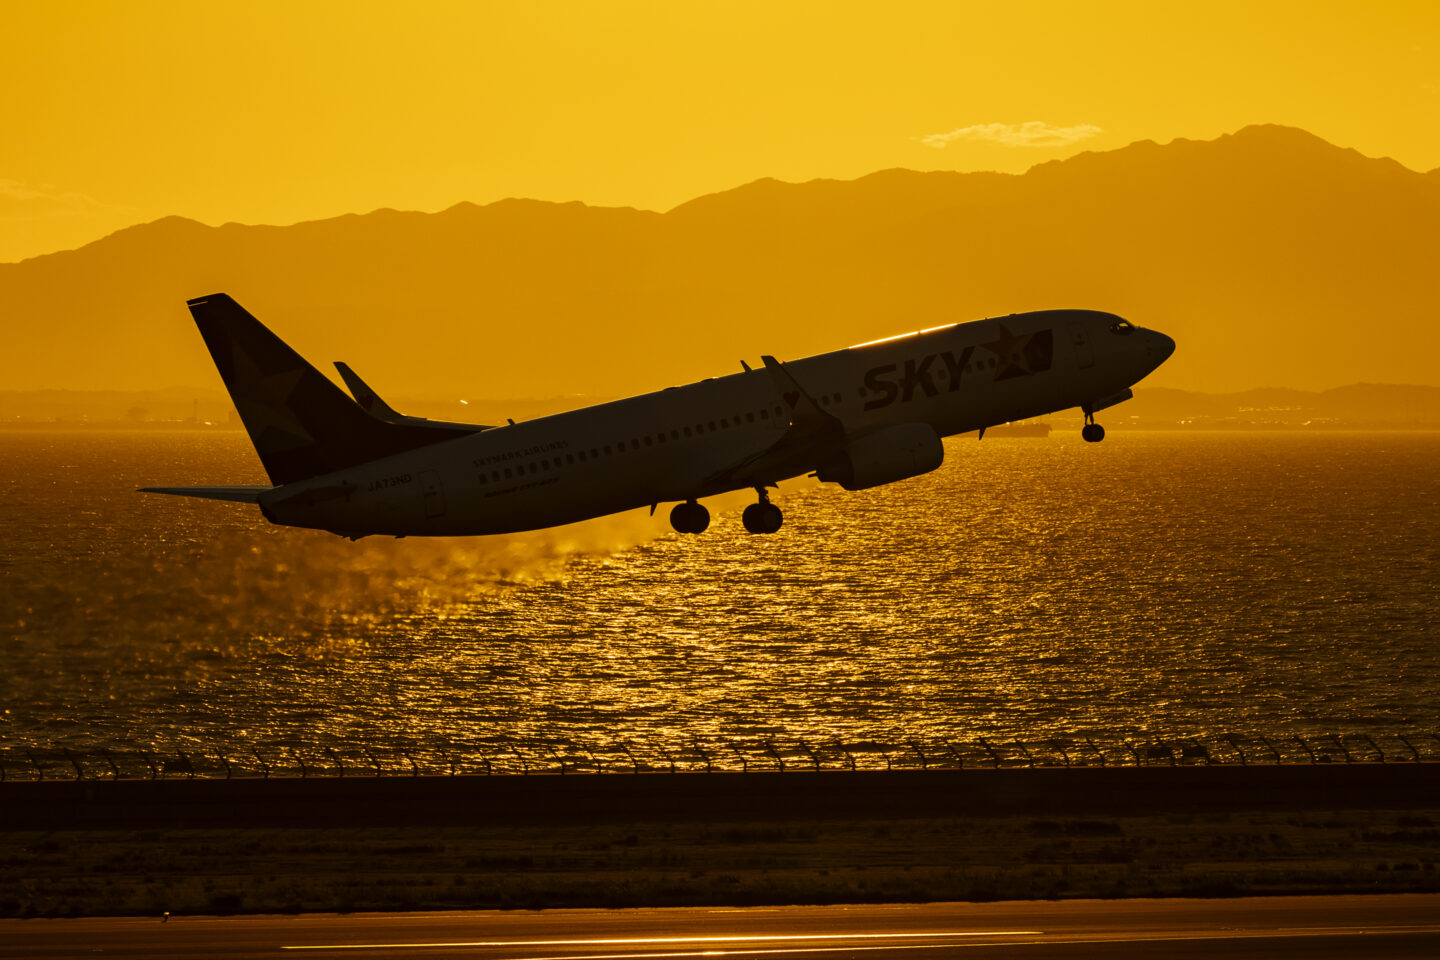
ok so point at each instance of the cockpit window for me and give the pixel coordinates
(1122, 327)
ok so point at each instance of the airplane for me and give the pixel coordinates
(860, 417)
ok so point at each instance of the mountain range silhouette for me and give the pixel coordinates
(1272, 257)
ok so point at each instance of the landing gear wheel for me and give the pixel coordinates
(762, 517)
(1092, 432)
(689, 517)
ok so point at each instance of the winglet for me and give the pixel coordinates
(812, 437)
(365, 396)
(302, 424)
(803, 407)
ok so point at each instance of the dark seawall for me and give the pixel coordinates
(727, 796)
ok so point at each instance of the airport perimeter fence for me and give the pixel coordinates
(770, 755)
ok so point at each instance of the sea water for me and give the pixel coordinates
(1154, 586)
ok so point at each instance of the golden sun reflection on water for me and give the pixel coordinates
(1154, 585)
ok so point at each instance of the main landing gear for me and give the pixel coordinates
(762, 517)
(689, 517)
(1092, 432)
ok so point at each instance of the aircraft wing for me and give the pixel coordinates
(814, 436)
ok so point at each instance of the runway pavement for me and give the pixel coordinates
(1394, 926)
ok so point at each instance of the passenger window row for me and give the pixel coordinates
(560, 461)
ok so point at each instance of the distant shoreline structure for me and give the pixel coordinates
(1360, 406)
(1021, 428)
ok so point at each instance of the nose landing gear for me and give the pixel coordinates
(1092, 432)
(689, 517)
(762, 517)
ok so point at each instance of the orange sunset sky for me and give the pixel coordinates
(118, 113)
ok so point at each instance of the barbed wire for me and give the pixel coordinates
(562, 758)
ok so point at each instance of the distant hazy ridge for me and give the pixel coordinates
(1358, 406)
(1273, 258)
(1355, 406)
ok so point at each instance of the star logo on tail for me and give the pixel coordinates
(262, 401)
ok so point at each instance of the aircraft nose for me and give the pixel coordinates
(1158, 347)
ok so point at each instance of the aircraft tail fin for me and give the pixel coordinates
(302, 424)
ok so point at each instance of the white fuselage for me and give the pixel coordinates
(681, 443)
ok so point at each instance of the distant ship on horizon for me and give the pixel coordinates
(1020, 428)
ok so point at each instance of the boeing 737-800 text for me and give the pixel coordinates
(859, 417)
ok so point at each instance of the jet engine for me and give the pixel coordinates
(894, 453)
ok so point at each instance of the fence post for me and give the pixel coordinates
(1414, 754)
(1306, 747)
(994, 757)
(185, 759)
(373, 762)
(959, 760)
(414, 767)
(79, 773)
(339, 763)
(264, 767)
(921, 754)
(1098, 752)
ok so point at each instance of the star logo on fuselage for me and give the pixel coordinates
(1011, 353)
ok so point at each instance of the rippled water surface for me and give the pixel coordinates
(1154, 584)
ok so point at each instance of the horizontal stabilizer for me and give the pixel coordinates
(238, 494)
